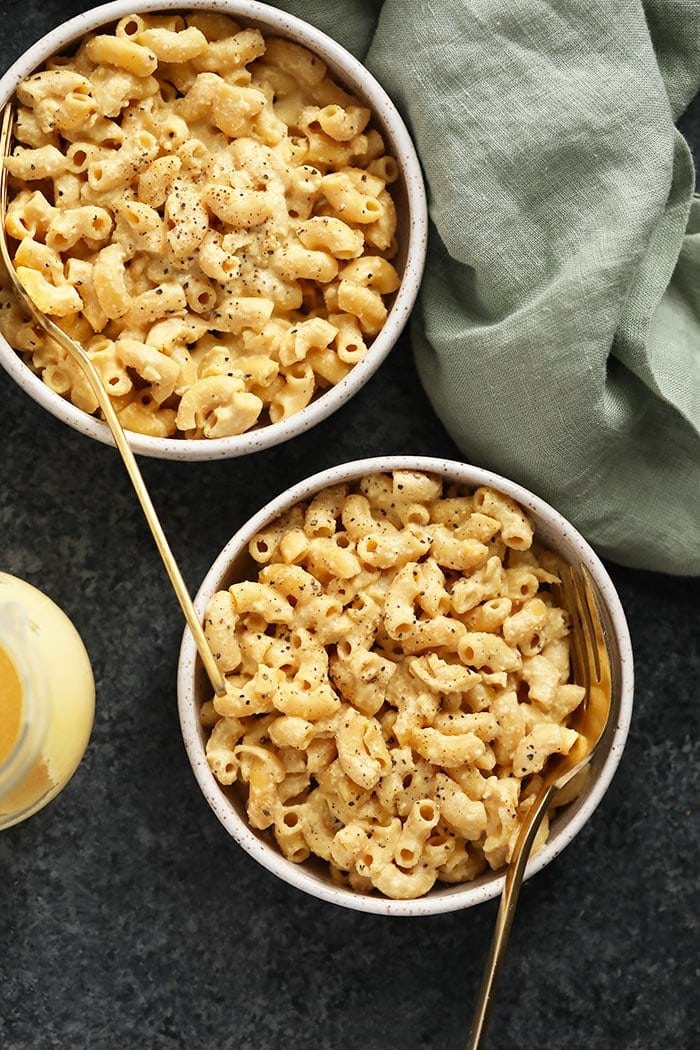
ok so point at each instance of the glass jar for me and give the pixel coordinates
(47, 700)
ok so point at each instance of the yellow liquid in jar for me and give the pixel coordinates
(63, 666)
(11, 704)
(36, 782)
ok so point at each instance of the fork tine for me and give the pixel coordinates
(5, 138)
(5, 142)
(571, 603)
(599, 633)
(590, 620)
(597, 659)
(5, 150)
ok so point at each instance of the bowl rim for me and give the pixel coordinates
(458, 896)
(416, 246)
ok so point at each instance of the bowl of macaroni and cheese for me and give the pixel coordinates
(397, 670)
(223, 207)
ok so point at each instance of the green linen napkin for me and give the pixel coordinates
(558, 327)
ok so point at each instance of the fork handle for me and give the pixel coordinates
(504, 919)
(144, 498)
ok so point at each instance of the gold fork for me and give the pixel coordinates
(93, 377)
(592, 669)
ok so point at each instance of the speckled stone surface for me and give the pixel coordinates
(129, 919)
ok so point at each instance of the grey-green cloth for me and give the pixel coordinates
(558, 326)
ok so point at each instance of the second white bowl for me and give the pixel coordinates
(234, 563)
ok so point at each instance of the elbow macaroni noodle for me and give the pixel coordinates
(397, 677)
(208, 213)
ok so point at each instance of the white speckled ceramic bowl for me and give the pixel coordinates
(408, 191)
(234, 564)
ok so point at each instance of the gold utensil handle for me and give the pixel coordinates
(78, 353)
(504, 919)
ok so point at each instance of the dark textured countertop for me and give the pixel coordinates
(129, 919)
